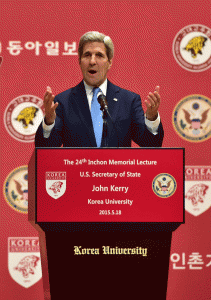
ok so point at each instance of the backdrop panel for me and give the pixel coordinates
(156, 43)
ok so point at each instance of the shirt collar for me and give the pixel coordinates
(103, 87)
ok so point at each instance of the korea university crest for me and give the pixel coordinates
(197, 189)
(24, 262)
(55, 184)
(192, 48)
(22, 117)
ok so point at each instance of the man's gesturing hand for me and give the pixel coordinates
(50, 107)
(153, 104)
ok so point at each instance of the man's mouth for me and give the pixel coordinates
(92, 71)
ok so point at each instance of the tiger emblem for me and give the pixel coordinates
(56, 187)
(27, 265)
(195, 45)
(197, 193)
(27, 115)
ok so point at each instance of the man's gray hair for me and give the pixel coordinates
(95, 36)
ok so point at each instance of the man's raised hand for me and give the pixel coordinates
(50, 107)
(153, 104)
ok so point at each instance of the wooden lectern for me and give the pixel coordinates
(105, 218)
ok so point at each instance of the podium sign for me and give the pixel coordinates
(109, 185)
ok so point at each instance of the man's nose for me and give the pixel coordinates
(93, 60)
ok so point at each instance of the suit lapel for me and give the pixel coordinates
(113, 101)
(81, 102)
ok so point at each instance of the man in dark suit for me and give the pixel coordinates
(69, 121)
(75, 120)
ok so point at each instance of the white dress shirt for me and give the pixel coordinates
(152, 126)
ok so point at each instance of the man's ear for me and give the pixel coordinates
(110, 63)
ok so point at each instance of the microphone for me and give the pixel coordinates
(103, 102)
(104, 107)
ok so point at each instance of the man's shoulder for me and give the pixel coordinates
(64, 94)
(123, 92)
(67, 93)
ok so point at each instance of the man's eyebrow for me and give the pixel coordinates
(99, 52)
(89, 52)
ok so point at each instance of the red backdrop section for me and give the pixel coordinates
(143, 34)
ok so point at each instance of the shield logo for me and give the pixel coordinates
(24, 262)
(164, 185)
(55, 184)
(197, 197)
(191, 118)
(16, 189)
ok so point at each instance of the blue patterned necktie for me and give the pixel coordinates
(97, 118)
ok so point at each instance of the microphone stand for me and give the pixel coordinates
(105, 127)
(104, 107)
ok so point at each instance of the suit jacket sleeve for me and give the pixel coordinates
(140, 134)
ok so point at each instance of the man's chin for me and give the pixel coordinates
(93, 83)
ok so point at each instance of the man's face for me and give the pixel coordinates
(94, 63)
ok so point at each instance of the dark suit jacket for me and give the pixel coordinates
(73, 124)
